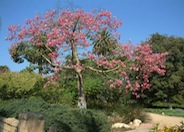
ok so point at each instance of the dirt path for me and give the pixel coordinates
(165, 120)
(162, 120)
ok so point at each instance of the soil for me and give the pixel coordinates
(164, 120)
(161, 120)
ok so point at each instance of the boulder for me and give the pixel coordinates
(8, 124)
(31, 122)
(136, 122)
(121, 125)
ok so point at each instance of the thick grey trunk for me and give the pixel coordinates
(81, 94)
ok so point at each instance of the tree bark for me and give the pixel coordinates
(81, 93)
(169, 104)
(40, 71)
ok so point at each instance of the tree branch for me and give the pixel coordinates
(49, 48)
(54, 65)
(102, 71)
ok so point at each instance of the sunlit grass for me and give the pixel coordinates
(169, 112)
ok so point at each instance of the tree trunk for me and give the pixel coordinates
(169, 104)
(81, 94)
(40, 71)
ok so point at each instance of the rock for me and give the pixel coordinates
(137, 122)
(31, 122)
(121, 125)
(8, 124)
(11, 121)
(130, 123)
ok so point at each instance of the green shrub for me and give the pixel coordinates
(131, 112)
(55, 93)
(68, 97)
(49, 93)
(17, 85)
(176, 128)
(77, 120)
(12, 108)
(65, 118)
(129, 109)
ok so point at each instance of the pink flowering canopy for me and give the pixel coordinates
(72, 33)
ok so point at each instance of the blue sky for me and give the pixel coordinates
(141, 18)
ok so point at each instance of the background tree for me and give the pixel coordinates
(104, 43)
(169, 88)
(70, 33)
(26, 50)
(18, 85)
(4, 69)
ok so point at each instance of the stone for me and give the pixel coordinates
(11, 121)
(121, 125)
(130, 123)
(136, 122)
(8, 124)
(31, 122)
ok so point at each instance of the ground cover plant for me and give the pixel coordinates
(63, 117)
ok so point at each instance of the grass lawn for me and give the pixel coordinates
(169, 112)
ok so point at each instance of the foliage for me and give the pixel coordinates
(129, 109)
(55, 92)
(25, 51)
(171, 86)
(161, 104)
(175, 128)
(178, 100)
(17, 85)
(104, 43)
(48, 91)
(96, 89)
(98, 93)
(4, 69)
(169, 112)
(68, 87)
(154, 128)
(65, 118)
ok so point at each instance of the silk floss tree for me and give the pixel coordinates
(74, 33)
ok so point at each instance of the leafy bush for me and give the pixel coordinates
(129, 109)
(76, 120)
(176, 128)
(17, 85)
(48, 93)
(55, 92)
(63, 117)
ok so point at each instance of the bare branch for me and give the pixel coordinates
(48, 48)
(103, 71)
(54, 65)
